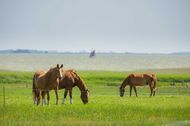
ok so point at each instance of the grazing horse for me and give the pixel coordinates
(44, 82)
(134, 80)
(71, 79)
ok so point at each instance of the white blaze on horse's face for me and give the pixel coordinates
(59, 71)
(60, 74)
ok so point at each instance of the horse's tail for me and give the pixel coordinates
(154, 81)
(34, 91)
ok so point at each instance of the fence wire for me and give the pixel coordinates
(8, 93)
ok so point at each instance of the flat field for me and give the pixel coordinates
(170, 106)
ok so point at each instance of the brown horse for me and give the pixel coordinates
(71, 79)
(44, 82)
(134, 80)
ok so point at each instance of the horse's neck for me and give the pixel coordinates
(80, 84)
(78, 81)
(50, 77)
(125, 83)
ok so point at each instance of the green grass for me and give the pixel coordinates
(93, 77)
(170, 106)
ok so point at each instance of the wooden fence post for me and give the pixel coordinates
(3, 95)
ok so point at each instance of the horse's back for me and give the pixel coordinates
(39, 73)
(137, 79)
(150, 76)
(68, 80)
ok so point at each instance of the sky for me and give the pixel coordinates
(139, 26)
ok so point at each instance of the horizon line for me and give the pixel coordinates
(85, 51)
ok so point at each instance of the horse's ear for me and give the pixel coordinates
(57, 65)
(61, 65)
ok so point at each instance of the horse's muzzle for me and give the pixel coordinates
(121, 95)
(85, 102)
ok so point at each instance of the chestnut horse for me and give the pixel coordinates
(71, 79)
(44, 82)
(134, 80)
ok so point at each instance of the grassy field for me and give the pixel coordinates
(170, 106)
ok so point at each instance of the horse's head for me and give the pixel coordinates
(59, 71)
(122, 91)
(84, 96)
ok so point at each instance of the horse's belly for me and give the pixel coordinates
(138, 81)
(52, 86)
(40, 86)
(61, 86)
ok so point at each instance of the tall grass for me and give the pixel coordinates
(90, 77)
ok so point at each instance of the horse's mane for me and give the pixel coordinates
(48, 74)
(78, 79)
(49, 71)
(126, 81)
(51, 68)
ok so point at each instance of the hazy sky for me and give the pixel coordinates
(105, 25)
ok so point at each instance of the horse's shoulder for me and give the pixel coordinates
(67, 74)
(71, 70)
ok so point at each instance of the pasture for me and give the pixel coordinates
(170, 106)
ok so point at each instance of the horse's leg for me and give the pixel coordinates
(65, 95)
(130, 90)
(35, 98)
(43, 97)
(154, 91)
(70, 94)
(134, 87)
(154, 88)
(38, 96)
(56, 93)
(151, 89)
(48, 97)
(151, 92)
